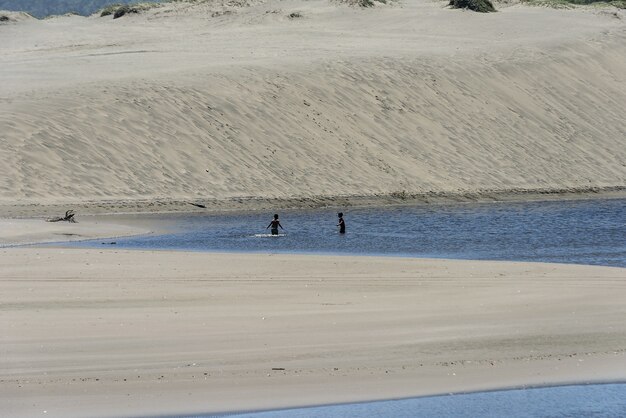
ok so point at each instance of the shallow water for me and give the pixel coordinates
(584, 401)
(583, 232)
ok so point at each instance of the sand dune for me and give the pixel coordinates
(215, 101)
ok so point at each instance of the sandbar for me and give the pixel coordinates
(131, 333)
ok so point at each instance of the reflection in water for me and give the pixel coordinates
(585, 232)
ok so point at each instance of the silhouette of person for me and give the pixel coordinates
(275, 223)
(341, 224)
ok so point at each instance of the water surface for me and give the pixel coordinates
(583, 232)
(584, 401)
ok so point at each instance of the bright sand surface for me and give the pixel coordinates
(219, 100)
(30, 231)
(131, 333)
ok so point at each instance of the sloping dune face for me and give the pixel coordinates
(312, 98)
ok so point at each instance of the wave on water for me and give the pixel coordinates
(268, 235)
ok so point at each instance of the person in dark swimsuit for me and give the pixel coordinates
(275, 223)
(341, 224)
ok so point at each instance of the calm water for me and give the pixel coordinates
(593, 401)
(585, 232)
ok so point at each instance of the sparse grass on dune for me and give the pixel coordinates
(620, 4)
(566, 4)
(110, 9)
(119, 9)
(9, 16)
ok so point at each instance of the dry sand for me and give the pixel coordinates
(211, 101)
(122, 333)
(34, 231)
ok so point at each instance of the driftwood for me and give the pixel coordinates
(69, 217)
(197, 205)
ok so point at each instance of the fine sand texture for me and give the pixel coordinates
(121, 333)
(35, 231)
(310, 99)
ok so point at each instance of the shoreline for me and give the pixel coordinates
(87, 207)
(135, 333)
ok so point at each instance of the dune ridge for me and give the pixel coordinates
(543, 115)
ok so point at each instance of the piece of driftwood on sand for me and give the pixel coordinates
(69, 217)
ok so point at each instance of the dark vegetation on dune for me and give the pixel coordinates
(482, 6)
(43, 8)
(486, 6)
(119, 10)
(364, 3)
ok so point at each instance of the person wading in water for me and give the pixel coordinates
(341, 224)
(275, 223)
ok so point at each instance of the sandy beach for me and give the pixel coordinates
(269, 105)
(130, 333)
